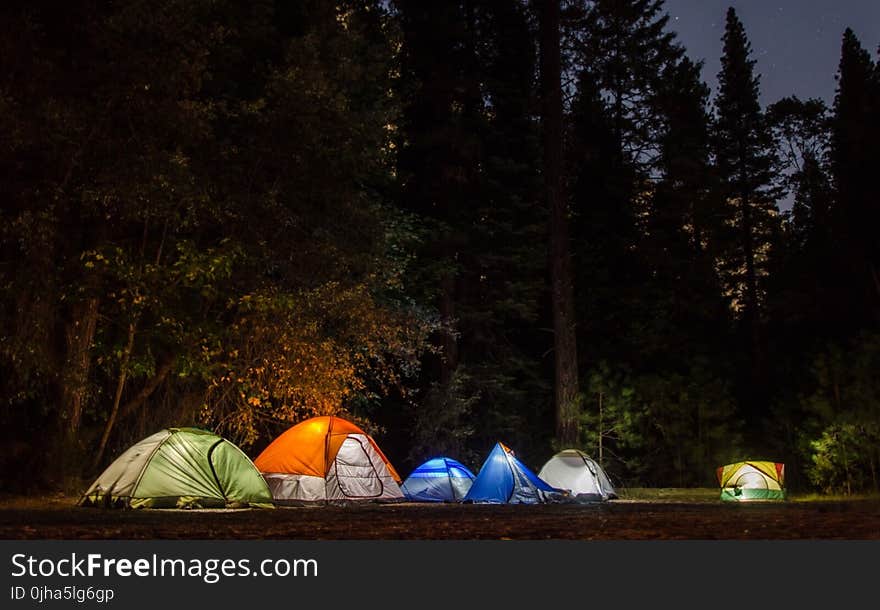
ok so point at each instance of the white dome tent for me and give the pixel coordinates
(574, 470)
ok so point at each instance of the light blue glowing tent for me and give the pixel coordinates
(503, 479)
(440, 479)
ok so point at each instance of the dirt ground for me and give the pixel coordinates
(620, 519)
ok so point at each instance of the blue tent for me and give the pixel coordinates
(440, 479)
(503, 479)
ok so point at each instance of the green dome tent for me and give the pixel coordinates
(180, 468)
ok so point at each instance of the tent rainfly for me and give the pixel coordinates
(574, 470)
(180, 468)
(503, 479)
(440, 479)
(327, 458)
(752, 480)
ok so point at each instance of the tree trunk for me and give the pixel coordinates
(127, 351)
(751, 296)
(117, 398)
(873, 464)
(752, 312)
(562, 291)
(875, 278)
(148, 389)
(79, 335)
(601, 432)
(448, 340)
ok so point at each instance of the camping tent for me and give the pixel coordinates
(440, 479)
(581, 475)
(327, 458)
(180, 468)
(503, 479)
(752, 480)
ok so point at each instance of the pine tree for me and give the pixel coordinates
(622, 54)
(854, 167)
(608, 273)
(682, 224)
(562, 289)
(469, 163)
(802, 300)
(645, 209)
(745, 164)
(438, 150)
(627, 47)
(504, 265)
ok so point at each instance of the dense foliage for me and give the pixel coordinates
(238, 214)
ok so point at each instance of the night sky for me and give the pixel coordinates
(796, 43)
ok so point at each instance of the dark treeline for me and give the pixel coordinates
(452, 222)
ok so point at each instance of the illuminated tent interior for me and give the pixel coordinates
(440, 479)
(503, 479)
(327, 458)
(752, 480)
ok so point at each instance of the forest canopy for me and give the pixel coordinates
(239, 214)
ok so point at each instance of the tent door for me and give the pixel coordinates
(751, 480)
(220, 486)
(355, 473)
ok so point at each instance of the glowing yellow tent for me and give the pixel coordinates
(752, 480)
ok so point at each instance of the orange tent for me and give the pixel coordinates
(327, 458)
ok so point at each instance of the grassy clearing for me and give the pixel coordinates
(815, 497)
(62, 501)
(712, 494)
(670, 494)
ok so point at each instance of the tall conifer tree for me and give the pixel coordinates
(562, 289)
(627, 47)
(745, 163)
(682, 226)
(855, 165)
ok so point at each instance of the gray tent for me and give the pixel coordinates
(574, 470)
